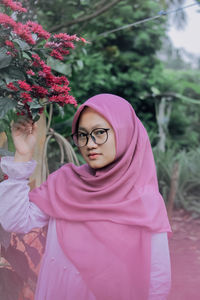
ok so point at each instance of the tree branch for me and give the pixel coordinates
(86, 18)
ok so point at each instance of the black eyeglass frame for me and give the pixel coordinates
(92, 137)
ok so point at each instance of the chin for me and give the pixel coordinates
(95, 165)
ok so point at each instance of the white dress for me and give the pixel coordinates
(58, 276)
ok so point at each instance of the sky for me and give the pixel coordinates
(188, 38)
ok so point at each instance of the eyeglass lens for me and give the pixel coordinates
(99, 136)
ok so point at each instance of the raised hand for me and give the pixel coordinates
(24, 134)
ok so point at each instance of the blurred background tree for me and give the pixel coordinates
(138, 63)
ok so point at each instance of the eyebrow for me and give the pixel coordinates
(93, 127)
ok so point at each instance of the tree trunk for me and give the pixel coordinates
(36, 178)
(173, 189)
(3, 140)
(163, 111)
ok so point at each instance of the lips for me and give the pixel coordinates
(93, 155)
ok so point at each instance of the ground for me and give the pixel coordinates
(185, 256)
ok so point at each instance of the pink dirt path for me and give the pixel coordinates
(185, 257)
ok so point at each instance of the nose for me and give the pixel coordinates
(91, 143)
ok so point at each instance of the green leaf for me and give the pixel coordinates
(16, 74)
(187, 99)
(33, 254)
(10, 284)
(6, 104)
(25, 55)
(5, 59)
(18, 262)
(36, 118)
(34, 105)
(80, 64)
(59, 66)
(23, 45)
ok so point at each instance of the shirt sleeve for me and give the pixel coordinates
(17, 213)
(160, 279)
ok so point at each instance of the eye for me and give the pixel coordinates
(81, 134)
(99, 131)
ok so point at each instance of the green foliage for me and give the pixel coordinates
(10, 284)
(6, 104)
(188, 190)
(15, 267)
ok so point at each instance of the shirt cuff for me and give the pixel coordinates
(17, 170)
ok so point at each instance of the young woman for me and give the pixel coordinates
(107, 222)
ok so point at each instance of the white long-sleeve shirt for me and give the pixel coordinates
(57, 274)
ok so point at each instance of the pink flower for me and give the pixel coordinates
(10, 53)
(26, 97)
(12, 87)
(63, 99)
(9, 44)
(68, 45)
(22, 113)
(41, 110)
(66, 37)
(39, 91)
(46, 69)
(64, 51)
(14, 5)
(60, 89)
(50, 79)
(39, 62)
(7, 21)
(24, 85)
(52, 45)
(61, 80)
(24, 32)
(30, 72)
(36, 57)
(71, 100)
(38, 29)
(83, 40)
(5, 177)
(56, 54)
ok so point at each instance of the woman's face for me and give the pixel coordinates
(97, 156)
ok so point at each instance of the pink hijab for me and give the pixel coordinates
(105, 218)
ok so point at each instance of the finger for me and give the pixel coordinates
(23, 121)
(23, 128)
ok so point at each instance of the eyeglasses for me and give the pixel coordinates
(98, 135)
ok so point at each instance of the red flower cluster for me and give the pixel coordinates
(14, 5)
(30, 72)
(61, 45)
(9, 44)
(24, 32)
(39, 91)
(64, 99)
(12, 87)
(5, 177)
(10, 53)
(57, 54)
(26, 97)
(66, 37)
(7, 21)
(24, 86)
(38, 29)
(44, 84)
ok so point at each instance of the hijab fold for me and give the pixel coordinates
(105, 217)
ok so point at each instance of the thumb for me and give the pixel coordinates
(34, 128)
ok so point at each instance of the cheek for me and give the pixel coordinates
(82, 152)
(111, 150)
